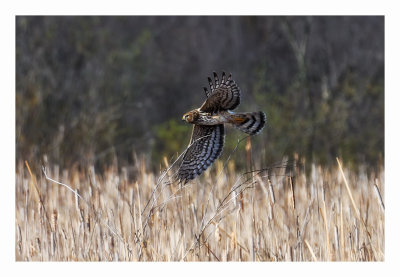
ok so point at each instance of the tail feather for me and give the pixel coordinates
(250, 123)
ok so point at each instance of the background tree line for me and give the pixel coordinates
(92, 89)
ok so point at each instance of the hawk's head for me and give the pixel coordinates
(191, 117)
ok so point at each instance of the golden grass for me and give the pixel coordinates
(332, 215)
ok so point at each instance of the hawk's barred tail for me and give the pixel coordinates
(250, 123)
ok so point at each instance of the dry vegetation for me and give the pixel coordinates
(263, 216)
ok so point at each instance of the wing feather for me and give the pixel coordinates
(224, 95)
(205, 147)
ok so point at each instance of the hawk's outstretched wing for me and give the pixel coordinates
(205, 146)
(224, 95)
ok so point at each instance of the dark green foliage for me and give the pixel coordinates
(171, 138)
(92, 88)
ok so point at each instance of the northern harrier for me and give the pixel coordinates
(208, 131)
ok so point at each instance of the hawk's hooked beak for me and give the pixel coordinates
(184, 117)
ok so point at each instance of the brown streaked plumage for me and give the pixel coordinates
(208, 133)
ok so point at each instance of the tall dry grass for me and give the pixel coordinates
(332, 215)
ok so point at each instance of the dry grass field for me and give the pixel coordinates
(134, 215)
